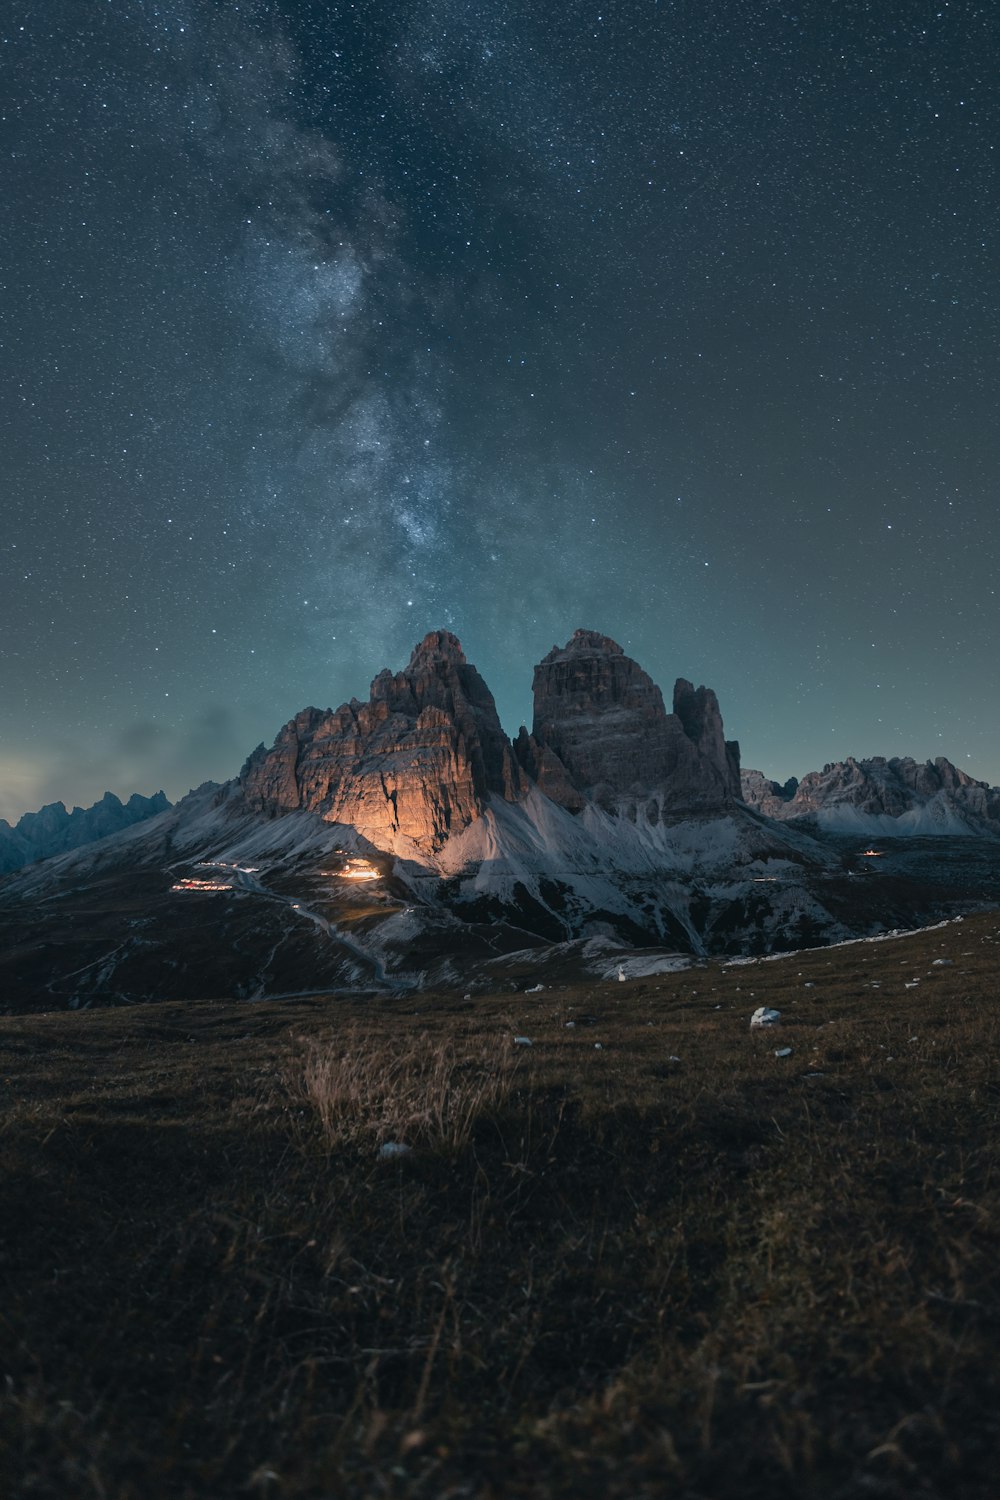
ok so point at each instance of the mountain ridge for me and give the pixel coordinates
(896, 796)
(53, 829)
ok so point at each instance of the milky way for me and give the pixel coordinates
(324, 325)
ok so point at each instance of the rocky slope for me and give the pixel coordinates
(54, 830)
(898, 796)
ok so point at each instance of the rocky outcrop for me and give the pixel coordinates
(54, 830)
(700, 716)
(766, 796)
(543, 767)
(602, 723)
(924, 797)
(415, 763)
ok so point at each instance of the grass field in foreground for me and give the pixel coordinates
(671, 1264)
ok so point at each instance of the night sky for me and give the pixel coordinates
(327, 324)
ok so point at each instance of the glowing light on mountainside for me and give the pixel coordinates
(359, 869)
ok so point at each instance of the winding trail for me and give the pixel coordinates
(250, 882)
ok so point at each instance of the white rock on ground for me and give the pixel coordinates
(763, 1016)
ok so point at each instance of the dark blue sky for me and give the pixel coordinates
(324, 325)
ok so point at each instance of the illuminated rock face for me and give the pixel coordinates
(601, 733)
(415, 763)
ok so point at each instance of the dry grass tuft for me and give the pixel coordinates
(418, 1090)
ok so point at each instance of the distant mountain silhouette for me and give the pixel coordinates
(53, 830)
(897, 797)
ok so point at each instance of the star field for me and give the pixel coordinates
(324, 325)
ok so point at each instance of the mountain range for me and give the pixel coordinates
(407, 840)
(53, 830)
(899, 798)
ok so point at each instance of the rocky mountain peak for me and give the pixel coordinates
(585, 643)
(413, 765)
(590, 679)
(603, 719)
(437, 643)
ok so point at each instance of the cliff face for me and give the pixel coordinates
(927, 796)
(417, 761)
(601, 719)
